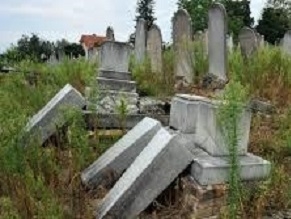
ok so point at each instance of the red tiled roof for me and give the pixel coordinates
(92, 40)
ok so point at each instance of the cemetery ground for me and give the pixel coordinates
(44, 182)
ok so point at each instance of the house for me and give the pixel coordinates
(90, 43)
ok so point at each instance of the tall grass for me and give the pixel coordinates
(38, 182)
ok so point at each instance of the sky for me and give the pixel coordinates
(69, 19)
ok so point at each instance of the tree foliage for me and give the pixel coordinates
(36, 49)
(275, 20)
(145, 10)
(239, 13)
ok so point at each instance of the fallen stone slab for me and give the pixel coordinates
(45, 122)
(108, 168)
(153, 170)
(112, 120)
(208, 170)
(119, 85)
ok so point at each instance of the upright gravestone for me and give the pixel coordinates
(248, 42)
(217, 27)
(154, 48)
(182, 37)
(140, 41)
(287, 42)
(110, 34)
(114, 81)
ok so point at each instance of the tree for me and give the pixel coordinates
(32, 47)
(36, 49)
(239, 13)
(274, 23)
(145, 10)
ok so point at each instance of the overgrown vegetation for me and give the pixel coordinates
(38, 182)
(42, 181)
(230, 114)
(265, 76)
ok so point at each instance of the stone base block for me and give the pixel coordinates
(117, 85)
(208, 170)
(115, 75)
(110, 102)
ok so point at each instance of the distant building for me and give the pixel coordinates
(90, 43)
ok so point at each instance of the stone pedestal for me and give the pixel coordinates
(195, 118)
(115, 86)
(197, 115)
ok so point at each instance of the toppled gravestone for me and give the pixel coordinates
(45, 122)
(197, 115)
(153, 170)
(195, 118)
(170, 152)
(118, 158)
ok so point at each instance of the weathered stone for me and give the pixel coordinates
(217, 27)
(182, 38)
(154, 169)
(118, 85)
(114, 56)
(154, 48)
(111, 101)
(262, 107)
(287, 42)
(110, 34)
(197, 115)
(110, 120)
(248, 42)
(209, 170)
(115, 75)
(140, 41)
(119, 157)
(149, 105)
(45, 122)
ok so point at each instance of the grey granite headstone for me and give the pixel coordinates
(217, 27)
(120, 156)
(164, 158)
(182, 38)
(110, 34)
(287, 42)
(114, 56)
(248, 42)
(45, 122)
(140, 41)
(154, 48)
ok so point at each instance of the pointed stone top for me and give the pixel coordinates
(182, 12)
(218, 6)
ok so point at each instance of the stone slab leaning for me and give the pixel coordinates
(119, 157)
(154, 169)
(43, 124)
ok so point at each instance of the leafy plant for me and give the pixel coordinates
(229, 115)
